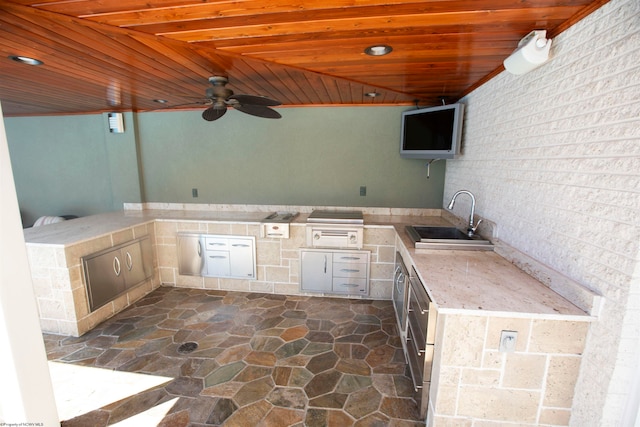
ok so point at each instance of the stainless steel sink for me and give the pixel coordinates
(446, 238)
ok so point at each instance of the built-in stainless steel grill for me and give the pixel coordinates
(335, 229)
(335, 217)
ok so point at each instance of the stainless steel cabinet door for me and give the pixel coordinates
(138, 262)
(191, 259)
(316, 271)
(105, 280)
(133, 264)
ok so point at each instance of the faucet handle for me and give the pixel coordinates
(471, 230)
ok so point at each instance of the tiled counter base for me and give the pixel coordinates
(59, 284)
(278, 260)
(531, 386)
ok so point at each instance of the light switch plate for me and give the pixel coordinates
(508, 341)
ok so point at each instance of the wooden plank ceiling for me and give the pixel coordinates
(111, 55)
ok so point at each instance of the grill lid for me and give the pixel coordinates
(335, 217)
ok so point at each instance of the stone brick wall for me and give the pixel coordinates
(477, 384)
(553, 158)
(277, 260)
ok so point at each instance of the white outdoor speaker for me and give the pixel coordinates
(532, 52)
(116, 123)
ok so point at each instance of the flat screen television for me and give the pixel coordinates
(432, 133)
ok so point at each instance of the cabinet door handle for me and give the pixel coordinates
(116, 266)
(325, 264)
(400, 279)
(199, 249)
(420, 309)
(129, 261)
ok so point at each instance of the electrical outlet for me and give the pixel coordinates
(508, 341)
(194, 192)
(363, 190)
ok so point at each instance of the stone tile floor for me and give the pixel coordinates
(261, 359)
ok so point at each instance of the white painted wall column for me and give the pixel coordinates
(26, 392)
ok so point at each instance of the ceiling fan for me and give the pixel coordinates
(220, 98)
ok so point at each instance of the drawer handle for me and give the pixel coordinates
(217, 256)
(420, 309)
(350, 270)
(217, 244)
(240, 245)
(414, 344)
(350, 257)
(350, 285)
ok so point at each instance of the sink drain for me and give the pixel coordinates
(187, 347)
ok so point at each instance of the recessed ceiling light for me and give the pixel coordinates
(25, 60)
(372, 94)
(378, 50)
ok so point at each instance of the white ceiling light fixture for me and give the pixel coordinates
(25, 60)
(372, 94)
(532, 52)
(378, 50)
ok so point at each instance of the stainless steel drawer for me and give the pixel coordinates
(421, 316)
(218, 263)
(216, 244)
(349, 270)
(416, 360)
(350, 257)
(349, 285)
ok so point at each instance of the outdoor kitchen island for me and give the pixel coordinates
(477, 295)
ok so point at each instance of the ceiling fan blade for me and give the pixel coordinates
(255, 100)
(213, 113)
(258, 111)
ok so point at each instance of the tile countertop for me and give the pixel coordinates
(483, 281)
(89, 227)
(457, 281)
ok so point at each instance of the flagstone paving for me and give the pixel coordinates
(261, 359)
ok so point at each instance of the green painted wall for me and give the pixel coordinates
(71, 165)
(312, 156)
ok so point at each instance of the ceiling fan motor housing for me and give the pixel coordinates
(222, 97)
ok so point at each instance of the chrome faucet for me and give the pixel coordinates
(472, 228)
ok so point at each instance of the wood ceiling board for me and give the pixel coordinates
(239, 29)
(233, 14)
(304, 53)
